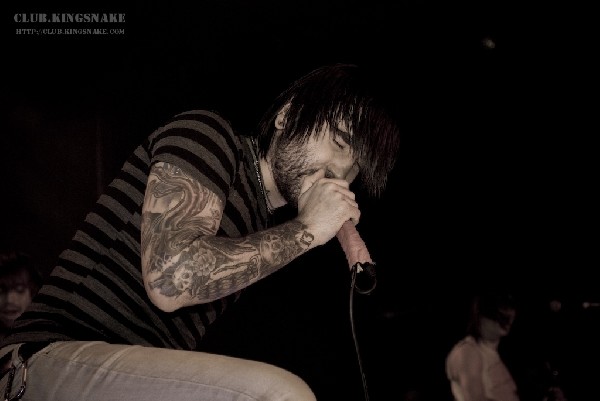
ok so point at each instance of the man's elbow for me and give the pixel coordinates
(162, 302)
(172, 302)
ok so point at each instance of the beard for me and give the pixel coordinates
(290, 164)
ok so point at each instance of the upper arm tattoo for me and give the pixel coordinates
(177, 209)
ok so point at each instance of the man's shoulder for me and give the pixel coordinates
(206, 116)
(464, 352)
(192, 125)
(465, 345)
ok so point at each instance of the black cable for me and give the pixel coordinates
(360, 366)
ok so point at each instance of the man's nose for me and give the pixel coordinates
(347, 174)
(339, 170)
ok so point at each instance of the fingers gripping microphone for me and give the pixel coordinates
(358, 258)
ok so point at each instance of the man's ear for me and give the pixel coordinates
(281, 118)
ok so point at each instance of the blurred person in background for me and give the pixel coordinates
(475, 367)
(20, 280)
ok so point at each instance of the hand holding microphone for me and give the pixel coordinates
(324, 205)
(322, 198)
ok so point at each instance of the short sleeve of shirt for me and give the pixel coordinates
(203, 145)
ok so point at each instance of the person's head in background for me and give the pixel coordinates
(20, 280)
(492, 315)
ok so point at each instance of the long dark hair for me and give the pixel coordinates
(334, 93)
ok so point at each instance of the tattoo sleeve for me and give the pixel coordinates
(185, 262)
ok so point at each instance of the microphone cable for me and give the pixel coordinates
(370, 271)
(364, 280)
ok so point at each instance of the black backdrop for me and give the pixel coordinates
(494, 184)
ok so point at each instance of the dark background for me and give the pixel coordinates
(494, 183)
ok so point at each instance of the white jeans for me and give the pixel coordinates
(97, 371)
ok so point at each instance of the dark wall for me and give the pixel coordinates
(494, 182)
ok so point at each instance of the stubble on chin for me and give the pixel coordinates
(290, 166)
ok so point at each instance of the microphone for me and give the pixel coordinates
(358, 258)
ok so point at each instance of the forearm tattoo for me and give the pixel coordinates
(186, 259)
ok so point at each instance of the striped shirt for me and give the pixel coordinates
(96, 290)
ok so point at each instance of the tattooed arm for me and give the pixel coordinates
(184, 263)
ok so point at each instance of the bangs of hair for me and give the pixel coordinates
(14, 279)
